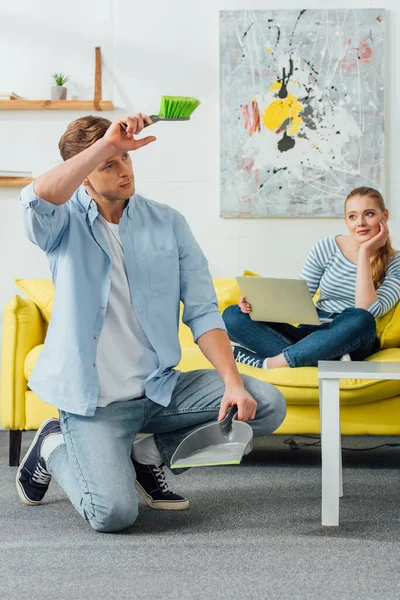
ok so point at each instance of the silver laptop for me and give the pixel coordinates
(279, 300)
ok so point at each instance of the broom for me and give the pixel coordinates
(173, 108)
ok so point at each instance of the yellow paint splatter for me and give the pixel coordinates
(281, 110)
(268, 49)
(275, 86)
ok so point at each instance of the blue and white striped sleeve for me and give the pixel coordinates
(315, 264)
(389, 292)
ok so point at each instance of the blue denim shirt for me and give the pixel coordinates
(164, 265)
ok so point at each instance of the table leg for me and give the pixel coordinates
(330, 450)
(340, 462)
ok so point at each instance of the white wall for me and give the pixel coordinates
(150, 49)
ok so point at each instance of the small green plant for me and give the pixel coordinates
(60, 78)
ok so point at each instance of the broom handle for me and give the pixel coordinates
(154, 118)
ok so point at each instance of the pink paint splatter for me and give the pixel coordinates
(251, 117)
(243, 165)
(235, 58)
(245, 115)
(364, 51)
(349, 62)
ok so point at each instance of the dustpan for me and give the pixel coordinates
(221, 443)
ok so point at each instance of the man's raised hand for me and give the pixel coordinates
(123, 139)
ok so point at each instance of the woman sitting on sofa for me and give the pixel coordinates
(359, 280)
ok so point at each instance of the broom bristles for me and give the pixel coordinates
(177, 107)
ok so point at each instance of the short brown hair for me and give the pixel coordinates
(82, 133)
(380, 261)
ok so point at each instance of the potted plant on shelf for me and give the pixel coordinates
(59, 91)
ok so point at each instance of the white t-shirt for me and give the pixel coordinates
(125, 357)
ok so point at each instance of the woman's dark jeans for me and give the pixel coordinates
(352, 331)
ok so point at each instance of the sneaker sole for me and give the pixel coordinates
(20, 489)
(160, 504)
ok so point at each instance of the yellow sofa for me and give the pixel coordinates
(368, 407)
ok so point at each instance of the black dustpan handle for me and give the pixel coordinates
(226, 423)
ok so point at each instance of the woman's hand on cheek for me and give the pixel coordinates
(372, 245)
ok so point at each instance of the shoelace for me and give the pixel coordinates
(40, 475)
(247, 360)
(160, 476)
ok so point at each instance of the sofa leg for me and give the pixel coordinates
(15, 447)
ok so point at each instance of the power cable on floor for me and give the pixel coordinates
(295, 445)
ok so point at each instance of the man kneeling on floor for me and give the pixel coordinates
(120, 266)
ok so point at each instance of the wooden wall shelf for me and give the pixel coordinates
(15, 182)
(56, 105)
(85, 105)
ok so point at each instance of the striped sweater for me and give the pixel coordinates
(327, 268)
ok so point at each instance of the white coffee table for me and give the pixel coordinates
(329, 374)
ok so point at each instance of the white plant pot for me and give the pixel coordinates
(58, 92)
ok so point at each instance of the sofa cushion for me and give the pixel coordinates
(22, 329)
(31, 359)
(388, 328)
(227, 291)
(37, 411)
(41, 291)
(300, 385)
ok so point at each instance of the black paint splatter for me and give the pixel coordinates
(307, 114)
(247, 30)
(278, 34)
(285, 80)
(294, 28)
(305, 99)
(311, 67)
(286, 143)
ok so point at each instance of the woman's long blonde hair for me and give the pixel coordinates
(380, 261)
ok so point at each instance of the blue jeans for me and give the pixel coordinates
(352, 331)
(94, 464)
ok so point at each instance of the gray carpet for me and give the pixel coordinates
(252, 531)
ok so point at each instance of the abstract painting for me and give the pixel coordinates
(302, 110)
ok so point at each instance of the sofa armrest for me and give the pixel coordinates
(23, 329)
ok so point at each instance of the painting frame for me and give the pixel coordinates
(302, 110)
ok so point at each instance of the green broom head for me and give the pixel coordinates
(177, 107)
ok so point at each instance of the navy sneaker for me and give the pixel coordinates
(246, 357)
(33, 479)
(151, 485)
